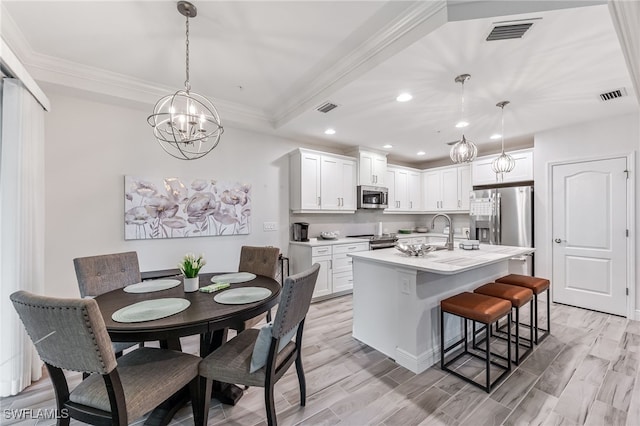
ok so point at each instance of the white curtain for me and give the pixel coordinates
(21, 229)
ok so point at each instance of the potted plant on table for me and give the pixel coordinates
(190, 267)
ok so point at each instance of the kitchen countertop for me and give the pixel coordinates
(444, 262)
(314, 242)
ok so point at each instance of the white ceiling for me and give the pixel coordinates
(268, 64)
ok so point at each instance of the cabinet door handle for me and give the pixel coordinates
(459, 203)
(318, 200)
(342, 200)
(410, 204)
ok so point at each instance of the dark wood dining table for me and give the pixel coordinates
(204, 317)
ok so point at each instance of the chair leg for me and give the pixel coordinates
(301, 380)
(196, 401)
(269, 315)
(270, 404)
(205, 393)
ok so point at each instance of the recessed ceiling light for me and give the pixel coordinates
(421, 153)
(461, 124)
(330, 132)
(387, 146)
(404, 97)
(495, 136)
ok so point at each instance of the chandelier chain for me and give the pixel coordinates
(187, 84)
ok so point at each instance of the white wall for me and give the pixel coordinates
(91, 146)
(607, 137)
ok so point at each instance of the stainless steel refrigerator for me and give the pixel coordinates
(504, 215)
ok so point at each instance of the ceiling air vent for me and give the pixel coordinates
(326, 107)
(507, 31)
(614, 94)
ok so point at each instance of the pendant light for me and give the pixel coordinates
(463, 151)
(504, 163)
(186, 124)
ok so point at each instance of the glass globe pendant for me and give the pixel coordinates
(186, 124)
(463, 151)
(504, 163)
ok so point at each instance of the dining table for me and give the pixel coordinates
(204, 316)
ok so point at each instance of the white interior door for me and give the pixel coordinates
(589, 232)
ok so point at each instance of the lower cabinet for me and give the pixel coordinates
(336, 271)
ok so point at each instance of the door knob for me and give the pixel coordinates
(558, 240)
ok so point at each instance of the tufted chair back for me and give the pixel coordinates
(259, 260)
(100, 274)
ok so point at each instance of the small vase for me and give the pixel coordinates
(191, 284)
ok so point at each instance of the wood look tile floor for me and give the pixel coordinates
(585, 373)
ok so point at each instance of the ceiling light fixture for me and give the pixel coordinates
(495, 136)
(420, 153)
(463, 151)
(387, 146)
(404, 97)
(186, 124)
(504, 163)
(330, 132)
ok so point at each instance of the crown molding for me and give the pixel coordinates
(63, 73)
(417, 20)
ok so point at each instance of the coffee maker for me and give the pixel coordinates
(301, 231)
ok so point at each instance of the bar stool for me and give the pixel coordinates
(480, 308)
(518, 297)
(537, 285)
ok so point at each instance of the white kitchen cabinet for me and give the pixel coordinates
(322, 182)
(336, 271)
(446, 189)
(523, 171)
(404, 189)
(372, 168)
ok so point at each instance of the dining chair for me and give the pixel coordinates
(261, 357)
(259, 261)
(103, 273)
(70, 334)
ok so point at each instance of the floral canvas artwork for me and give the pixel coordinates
(176, 208)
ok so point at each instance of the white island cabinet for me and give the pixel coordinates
(396, 298)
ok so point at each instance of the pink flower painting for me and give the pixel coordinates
(177, 208)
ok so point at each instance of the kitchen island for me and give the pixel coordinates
(396, 298)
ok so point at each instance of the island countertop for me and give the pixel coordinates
(444, 262)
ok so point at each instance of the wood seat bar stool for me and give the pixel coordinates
(518, 297)
(483, 309)
(536, 285)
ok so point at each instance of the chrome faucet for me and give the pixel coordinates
(450, 237)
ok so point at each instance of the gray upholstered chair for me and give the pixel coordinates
(70, 334)
(103, 273)
(259, 261)
(234, 361)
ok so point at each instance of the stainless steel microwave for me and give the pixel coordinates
(372, 197)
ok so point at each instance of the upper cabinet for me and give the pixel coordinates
(446, 189)
(483, 174)
(372, 168)
(322, 182)
(405, 193)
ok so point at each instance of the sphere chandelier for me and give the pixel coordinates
(504, 163)
(463, 151)
(186, 124)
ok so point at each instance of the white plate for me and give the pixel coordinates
(237, 277)
(149, 310)
(239, 296)
(151, 286)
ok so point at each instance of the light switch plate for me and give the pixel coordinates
(270, 226)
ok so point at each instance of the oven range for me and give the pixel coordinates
(378, 241)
